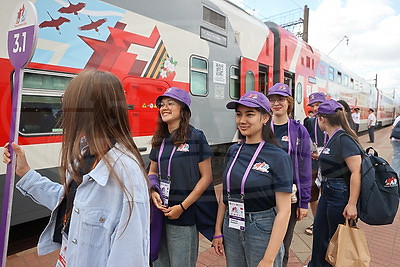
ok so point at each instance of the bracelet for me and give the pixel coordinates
(183, 208)
(218, 236)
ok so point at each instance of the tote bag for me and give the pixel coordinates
(348, 247)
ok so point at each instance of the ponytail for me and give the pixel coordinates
(339, 119)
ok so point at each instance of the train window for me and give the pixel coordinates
(361, 86)
(286, 53)
(214, 18)
(351, 83)
(346, 80)
(331, 73)
(234, 82)
(356, 87)
(41, 102)
(308, 62)
(339, 77)
(40, 81)
(302, 61)
(299, 93)
(312, 64)
(198, 76)
(250, 81)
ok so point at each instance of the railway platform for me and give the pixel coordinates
(383, 241)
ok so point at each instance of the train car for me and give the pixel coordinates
(386, 109)
(211, 48)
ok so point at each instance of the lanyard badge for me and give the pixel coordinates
(165, 184)
(236, 206)
(236, 214)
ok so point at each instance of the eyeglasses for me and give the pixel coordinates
(169, 104)
(280, 100)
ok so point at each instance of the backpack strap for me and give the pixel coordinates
(363, 153)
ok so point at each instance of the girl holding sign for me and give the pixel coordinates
(181, 182)
(254, 210)
(100, 213)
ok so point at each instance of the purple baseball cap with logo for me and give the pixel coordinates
(329, 107)
(316, 97)
(177, 94)
(280, 89)
(252, 99)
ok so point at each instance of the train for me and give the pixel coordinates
(212, 48)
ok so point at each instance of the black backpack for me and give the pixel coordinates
(379, 197)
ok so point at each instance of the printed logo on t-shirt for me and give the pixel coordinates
(261, 166)
(285, 138)
(183, 148)
(326, 151)
(391, 182)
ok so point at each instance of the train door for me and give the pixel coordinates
(289, 79)
(249, 77)
(141, 94)
(263, 79)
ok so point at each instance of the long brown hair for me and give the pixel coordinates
(94, 106)
(180, 135)
(339, 119)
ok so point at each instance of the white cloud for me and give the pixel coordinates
(374, 37)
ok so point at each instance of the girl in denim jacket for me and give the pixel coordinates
(100, 214)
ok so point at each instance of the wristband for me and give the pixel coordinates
(218, 236)
(183, 208)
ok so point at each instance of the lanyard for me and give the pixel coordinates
(228, 175)
(315, 132)
(288, 134)
(169, 161)
(330, 137)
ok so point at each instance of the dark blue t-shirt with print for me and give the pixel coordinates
(281, 133)
(332, 158)
(271, 172)
(321, 139)
(184, 170)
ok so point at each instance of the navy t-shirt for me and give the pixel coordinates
(184, 170)
(331, 159)
(271, 172)
(281, 133)
(310, 126)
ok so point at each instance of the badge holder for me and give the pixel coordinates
(165, 186)
(236, 213)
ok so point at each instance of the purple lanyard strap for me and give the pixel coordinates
(288, 134)
(330, 137)
(228, 175)
(315, 132)
(169, 161)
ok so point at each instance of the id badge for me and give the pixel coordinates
(319, 150)
(319, 178)
(165, 186)
(236, 214)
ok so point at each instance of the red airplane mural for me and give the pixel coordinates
(72, 9)
(56, 23)
(93, 25)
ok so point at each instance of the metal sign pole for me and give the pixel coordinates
(22, 38)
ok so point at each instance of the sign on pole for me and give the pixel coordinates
(22, 36)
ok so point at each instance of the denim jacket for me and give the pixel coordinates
(104, 229)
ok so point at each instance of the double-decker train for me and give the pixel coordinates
(211, 48)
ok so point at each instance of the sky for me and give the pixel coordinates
(371, 27)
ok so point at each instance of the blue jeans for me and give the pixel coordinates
(179, 246)
(396, 156)
(334, 198)
(247, 248)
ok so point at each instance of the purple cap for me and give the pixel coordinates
(316, 97)
(280, 89)
(251, 99)
(177, 94)
(329, 107)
